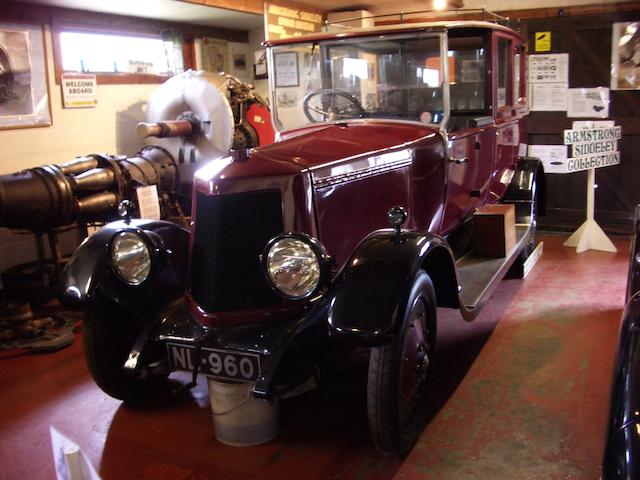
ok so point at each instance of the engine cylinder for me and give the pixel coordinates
(94, 179)
(79, 165)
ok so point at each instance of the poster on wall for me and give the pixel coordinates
(553, 157)
(551, 68)
(548, 97)
(24, 96)
(588, 102)
(286, 69)
(240, 61)
(215, 55)
(625, 56)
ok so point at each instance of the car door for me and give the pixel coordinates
(471, 130)
(507, 115)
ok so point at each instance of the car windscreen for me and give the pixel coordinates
(397, 77)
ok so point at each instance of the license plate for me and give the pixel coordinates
(240, 366)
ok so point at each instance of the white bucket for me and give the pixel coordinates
(239, 418)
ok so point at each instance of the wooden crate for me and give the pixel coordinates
(495, 230)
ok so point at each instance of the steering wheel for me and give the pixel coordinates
(331, 104)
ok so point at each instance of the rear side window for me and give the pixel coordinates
(467, 71)
(504, 94)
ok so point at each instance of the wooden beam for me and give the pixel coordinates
(255, 6)
(531, 13)
(246, 6)
(57, 17)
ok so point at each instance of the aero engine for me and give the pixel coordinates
(192, 118)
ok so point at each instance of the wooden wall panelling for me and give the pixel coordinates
(587, 39)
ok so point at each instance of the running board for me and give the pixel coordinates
(479, 276)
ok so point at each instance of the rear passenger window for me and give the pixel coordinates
(467, 74)
(504, 94)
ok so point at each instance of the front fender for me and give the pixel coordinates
(89, 272)
(367, 299)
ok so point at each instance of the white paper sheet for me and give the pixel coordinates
(551, 68)
(148, 203)
(553, 157)
(548, 97)
(588, 102)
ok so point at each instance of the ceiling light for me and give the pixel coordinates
(442, 4)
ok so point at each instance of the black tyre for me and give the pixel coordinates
(400, 374)
(108, 333)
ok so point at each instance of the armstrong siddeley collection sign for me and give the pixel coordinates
(592, 148)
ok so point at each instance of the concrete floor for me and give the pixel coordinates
(522, 392)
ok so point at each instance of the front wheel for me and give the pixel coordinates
(108, 333)
(400, 373)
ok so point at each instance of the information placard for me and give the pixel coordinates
(550, 68)
(548, 97)
(553, 157)
(148, 202)
(592, 147)
(588, 102)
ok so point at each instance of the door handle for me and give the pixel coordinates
(459, 160)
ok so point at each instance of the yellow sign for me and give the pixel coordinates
(543, 41)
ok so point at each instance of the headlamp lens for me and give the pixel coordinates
(293, 267)
(131, 257)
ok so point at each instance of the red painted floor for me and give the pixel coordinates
(522, 392)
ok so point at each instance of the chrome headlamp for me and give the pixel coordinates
(131, 257)
(296, 265)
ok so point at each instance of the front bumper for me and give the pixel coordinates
(293, 340)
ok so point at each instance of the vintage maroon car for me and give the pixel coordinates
(346, 233)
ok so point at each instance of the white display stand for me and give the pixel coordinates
(594, 144)
(590, 236)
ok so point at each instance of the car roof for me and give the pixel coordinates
(390, 29)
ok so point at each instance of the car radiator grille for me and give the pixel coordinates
(231, 232)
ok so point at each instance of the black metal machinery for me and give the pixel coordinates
(86, 189)
(193, 118)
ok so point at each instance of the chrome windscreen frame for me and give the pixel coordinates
(444, 65)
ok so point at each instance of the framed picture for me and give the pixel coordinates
(260, 65)
(239, 61)
(24, 94)
(286, 69)
(215, 55)
(625, 56)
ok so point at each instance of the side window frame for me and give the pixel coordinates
(506, 109)
(90, 22)
(522, 103)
